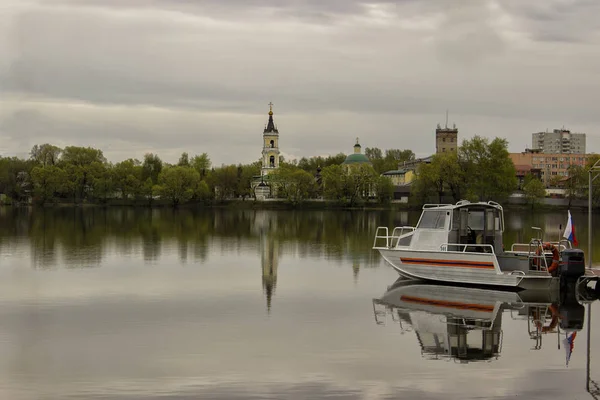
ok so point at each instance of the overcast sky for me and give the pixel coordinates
(166, 76)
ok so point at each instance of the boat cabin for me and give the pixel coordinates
(463, 226)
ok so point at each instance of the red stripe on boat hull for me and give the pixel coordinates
(449, 304)
(448, 263)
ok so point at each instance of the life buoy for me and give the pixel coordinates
(553, 321)
(555, 256)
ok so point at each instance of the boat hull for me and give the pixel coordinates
(458, 267)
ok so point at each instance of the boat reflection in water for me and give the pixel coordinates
(464, 324)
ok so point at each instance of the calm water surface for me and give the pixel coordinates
(226, 304)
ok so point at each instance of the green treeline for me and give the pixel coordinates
(479, 170)
(83, 175)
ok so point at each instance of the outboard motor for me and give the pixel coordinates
(572, 313)
(572, 264)
(572, 316)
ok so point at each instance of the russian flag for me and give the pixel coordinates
(569, 343)
(570, 231)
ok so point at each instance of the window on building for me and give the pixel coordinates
(272, 161)
(443, 149)
(272, 143)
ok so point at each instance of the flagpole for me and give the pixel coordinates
(590, 220)
(589, 335)
(595, 169)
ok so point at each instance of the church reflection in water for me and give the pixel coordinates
(464, 324)
(269, 256)
(269, 247)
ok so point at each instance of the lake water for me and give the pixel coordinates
(243, 304)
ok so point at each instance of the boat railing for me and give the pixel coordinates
(484, 325)
(537, 255)
(391, 241)
(385, 236)
(462, 247)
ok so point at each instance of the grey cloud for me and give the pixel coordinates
(391, 74)
(570, 21)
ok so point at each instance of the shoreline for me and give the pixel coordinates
(276, 204)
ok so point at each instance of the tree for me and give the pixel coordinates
(151, 167)
(576, 183)
(349, 186)
(82, 156)
(487, 166)
(146, 190)
(45, 154)
(395, 157)
(48, 181)
(103, 185)
(293, 183)
(127, 177)
(246, 174)
(384, 189)
(311, 164)
(333, 182)
(224, 181)
(184, 160)
(534, 190)
(451, 171)
(429, 182)
(374, 153)
(391, 161)
(360, 183)
(15, 177)
(178, 184)
(202, 164)
(203, 192)
(82, 165)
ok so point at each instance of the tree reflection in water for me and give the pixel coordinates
(82, 236)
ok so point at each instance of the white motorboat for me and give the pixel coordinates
(462, 243)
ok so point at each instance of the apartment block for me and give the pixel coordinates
(547, 165)
(559, 141)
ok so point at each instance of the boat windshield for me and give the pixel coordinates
(476, 220)
(433, 219)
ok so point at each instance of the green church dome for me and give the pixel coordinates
(356, 158)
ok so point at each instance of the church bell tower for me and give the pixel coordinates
(270, 153)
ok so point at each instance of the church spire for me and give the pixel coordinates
(271, 125)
